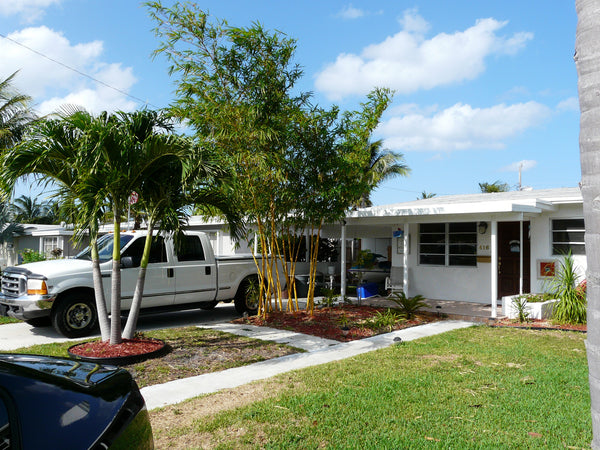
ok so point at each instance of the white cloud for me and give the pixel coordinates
(102, 97)
(412, 22)
(523, 165)
(29, 10)
(52, 84)
(407, 61)
(569, 104)
(461, 127)
(349, 12)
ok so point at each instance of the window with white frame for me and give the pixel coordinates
(448, 244)
(568, 235)
(49, 243)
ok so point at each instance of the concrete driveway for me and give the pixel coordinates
(17, 335)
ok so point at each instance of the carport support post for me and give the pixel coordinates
(521, 255)
(406, 250)
(494, 274)
(343, 262)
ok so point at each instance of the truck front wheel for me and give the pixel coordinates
(246, 298)
(75, 315)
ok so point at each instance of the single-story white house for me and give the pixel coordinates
(474, 247)
(479, 247)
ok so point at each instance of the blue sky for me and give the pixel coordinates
(481, 86)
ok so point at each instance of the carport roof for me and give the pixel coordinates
(529, 202)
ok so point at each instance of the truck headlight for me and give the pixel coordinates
(36, 287)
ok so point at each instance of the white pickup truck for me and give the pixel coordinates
(187, 277)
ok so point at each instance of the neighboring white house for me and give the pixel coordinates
(41, 238)
(477, 247)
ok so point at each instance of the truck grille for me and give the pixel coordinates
(14, 284)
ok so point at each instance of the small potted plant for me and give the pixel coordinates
(344, 324)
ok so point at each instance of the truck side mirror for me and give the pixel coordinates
(126, 262)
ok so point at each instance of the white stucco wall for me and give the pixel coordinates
(444, 282)
(474, 283)
(541, 244)
(376, 245)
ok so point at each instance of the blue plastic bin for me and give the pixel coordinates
(367, 290)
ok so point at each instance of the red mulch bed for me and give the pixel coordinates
(129, 347)
(327, 322)
(540, 324)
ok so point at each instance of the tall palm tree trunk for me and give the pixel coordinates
(138, 294)
(115, 295)
(587, 59)
(99, 293)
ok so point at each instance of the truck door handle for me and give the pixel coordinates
(207, 270)
(170, 272)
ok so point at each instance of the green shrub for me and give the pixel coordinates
(30, 256)
(387, 319)
(408, 306)
(520, 304)
(572, 305)
(344, 321)
(539, 298)
(329, 298)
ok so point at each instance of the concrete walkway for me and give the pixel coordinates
(298, 340)
(179, 390)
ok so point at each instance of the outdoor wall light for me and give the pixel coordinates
(482, 227)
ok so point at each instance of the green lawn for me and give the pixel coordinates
(4, 319)
(474, 388)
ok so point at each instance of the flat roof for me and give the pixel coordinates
(531, 202)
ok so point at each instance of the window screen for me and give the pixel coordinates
(568, 235)
(452, 244)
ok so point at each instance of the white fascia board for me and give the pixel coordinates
(546, 205)
(201, 220)
(54, 232)
(454, 209)
(529, 209)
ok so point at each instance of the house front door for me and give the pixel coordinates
(509, 258)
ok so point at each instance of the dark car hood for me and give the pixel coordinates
(85, 374)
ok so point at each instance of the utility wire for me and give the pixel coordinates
(139, 100)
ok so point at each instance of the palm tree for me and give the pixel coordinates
(183, 174)
(170, 173)
(383, 165)
(125, 150)
(8, 228)
(55, 213)
(27, 210)
(496, 186)
(98, 162)
(587, 60)
(52, 152)
(15, 113)
(425, 195)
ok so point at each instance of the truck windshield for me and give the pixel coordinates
(105, 247)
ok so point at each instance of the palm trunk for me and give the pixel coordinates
(136, 304)
(99, 292)
(134, 312)
(587, 59)
(115, 294)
